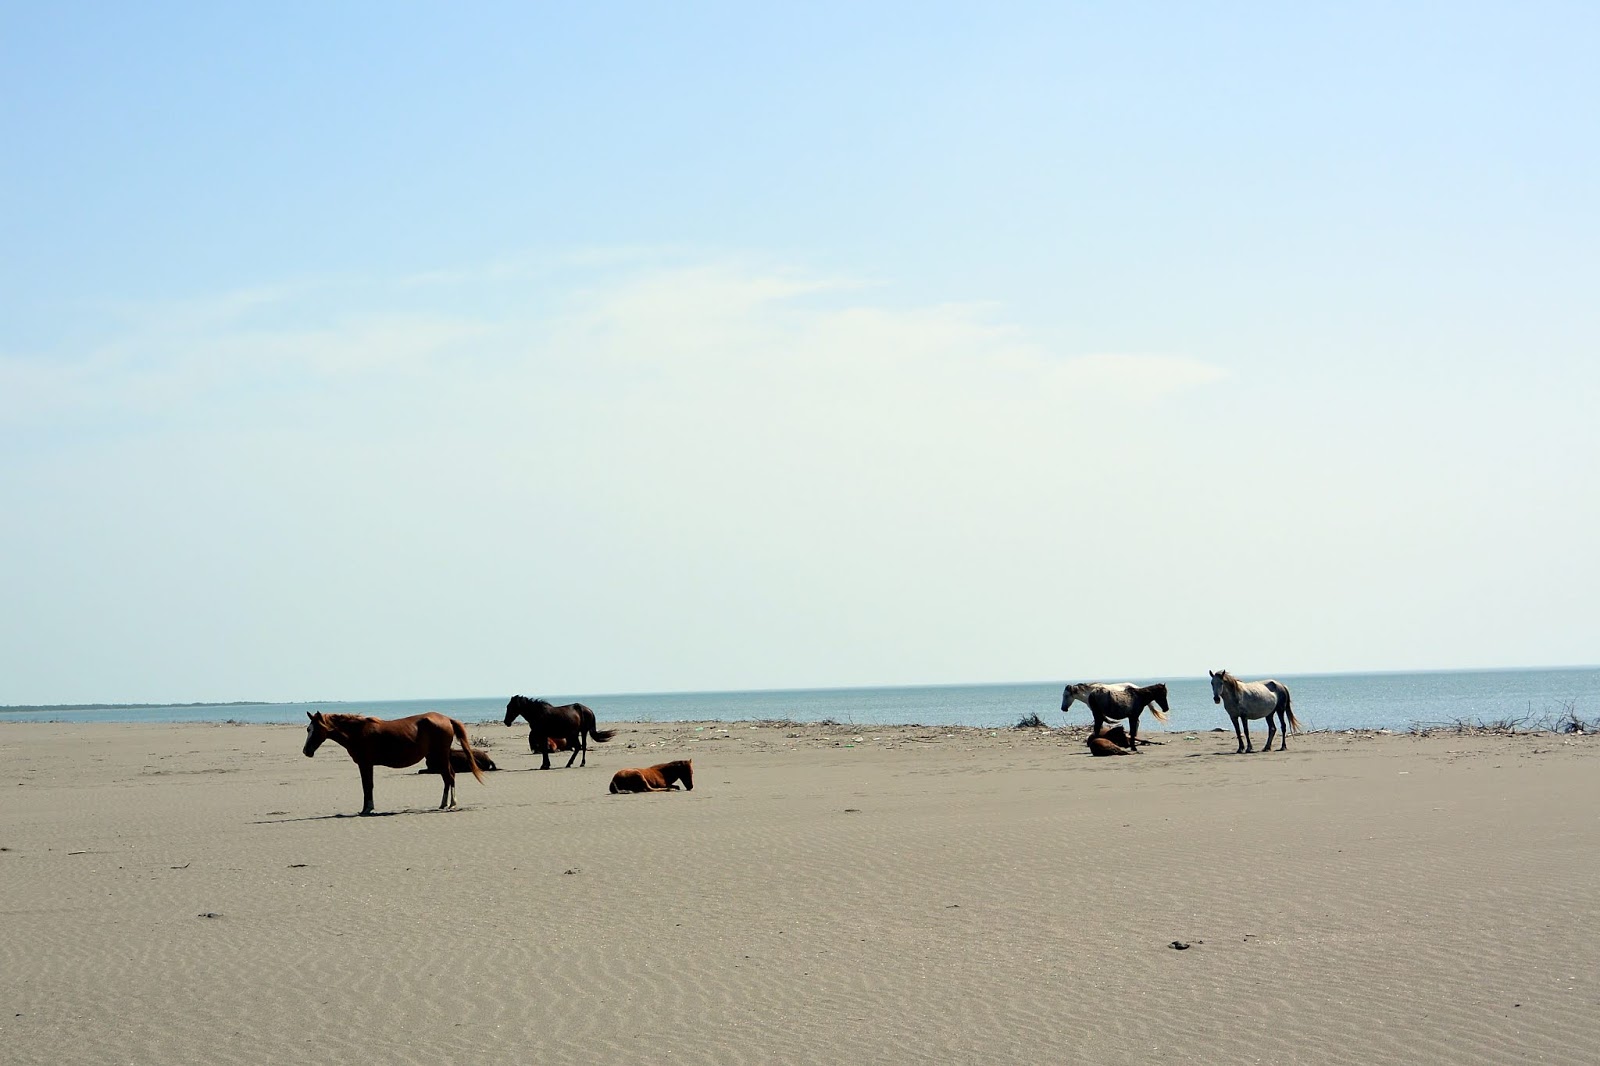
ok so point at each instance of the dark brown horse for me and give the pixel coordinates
(459, 762)
(661, 777)
(398, 742)
(1121, 700)
(572, 722)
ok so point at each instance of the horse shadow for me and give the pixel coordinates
(374, 814)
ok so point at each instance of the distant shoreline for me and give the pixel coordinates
(30, 707)
(841, 689)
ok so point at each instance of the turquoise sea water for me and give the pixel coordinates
(1326, 701)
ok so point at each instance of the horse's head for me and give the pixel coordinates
(1218, 680)
(514, 708)
(1075, 692)
(1158, 696)
(317, 730)
(686, 775)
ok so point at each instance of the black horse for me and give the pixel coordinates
(571, 722)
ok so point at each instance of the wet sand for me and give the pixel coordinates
(202, 894)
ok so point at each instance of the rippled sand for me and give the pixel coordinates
(200, 894)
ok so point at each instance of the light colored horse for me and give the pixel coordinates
(1119, 700)
(1245, 700)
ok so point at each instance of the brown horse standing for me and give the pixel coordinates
(572, 722)
(398, 742)
(662, 777)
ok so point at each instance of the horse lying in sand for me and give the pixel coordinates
(572, 722)
(398, 742)
(1116, 701)
(659, 778)
(458, 762)
(1244, 700)
(1112, 741)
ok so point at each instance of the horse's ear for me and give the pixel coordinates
(311, 716)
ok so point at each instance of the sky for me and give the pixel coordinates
(375, 351)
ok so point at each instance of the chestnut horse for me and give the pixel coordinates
(1121, 700)
(398, 742)
(572, 722)
(661, 777)
(551, 745)
(1113, 741)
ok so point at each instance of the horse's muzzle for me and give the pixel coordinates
(1216, 699)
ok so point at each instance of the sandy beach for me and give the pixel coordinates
(202, 894)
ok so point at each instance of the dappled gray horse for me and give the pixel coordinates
(1117, 701)
(1244, 700)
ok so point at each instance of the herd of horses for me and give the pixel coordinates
(429, 738)
(1245, 701)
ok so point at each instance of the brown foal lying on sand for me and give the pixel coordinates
(662, 777)
(1108, 742)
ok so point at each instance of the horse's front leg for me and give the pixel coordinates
(1237, 735)
(1133, 732)
(366, 787)
(1249, 745)
(544, 750)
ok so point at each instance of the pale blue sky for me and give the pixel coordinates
(385, 351)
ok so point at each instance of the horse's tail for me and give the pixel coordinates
(1287, 708)
(599, 735)
(460, 732)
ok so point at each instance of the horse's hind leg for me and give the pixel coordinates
(1283, 731)
(1271, 732)
(446, 771)
(577, 747)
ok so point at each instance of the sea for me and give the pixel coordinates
(1395, 701)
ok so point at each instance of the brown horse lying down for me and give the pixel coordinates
(659, 778)
(1109, 742)
(552, 745)
(398, 742)
(458, 762)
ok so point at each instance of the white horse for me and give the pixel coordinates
(1245, 700)
(1119, 700)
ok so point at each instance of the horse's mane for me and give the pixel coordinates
(678, 764)
(348, 719)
